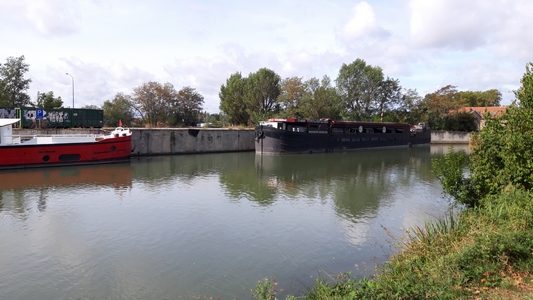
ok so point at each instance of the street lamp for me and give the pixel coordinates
(72, 88)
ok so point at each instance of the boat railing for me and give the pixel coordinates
(30, 136)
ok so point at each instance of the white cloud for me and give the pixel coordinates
(467, 25)
(54, 17)
(362, 23)
(42, 17)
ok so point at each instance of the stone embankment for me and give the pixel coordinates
(450, 137)
(160, 141)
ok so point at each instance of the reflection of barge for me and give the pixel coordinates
(302, 136)
(40, 151)
(112, 175)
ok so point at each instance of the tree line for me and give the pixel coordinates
(360, 92)
(156, 105)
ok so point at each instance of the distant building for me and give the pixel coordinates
(480, 112)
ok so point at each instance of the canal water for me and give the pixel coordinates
(208, 226)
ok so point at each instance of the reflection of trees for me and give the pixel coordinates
(356, 181)
(235, 170)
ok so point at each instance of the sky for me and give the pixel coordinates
(112, 46)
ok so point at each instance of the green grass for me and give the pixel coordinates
(479, 250)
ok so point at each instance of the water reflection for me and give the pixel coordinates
(357, 182)
(23, 190)
(177, 227)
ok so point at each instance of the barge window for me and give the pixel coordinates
(318, 128)
(296, 128)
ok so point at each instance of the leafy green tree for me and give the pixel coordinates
(364, 91)
(91, 106)
(232, 100)
(293, 91)
(47, 101)
(13, 84)
(154, 102)
(480, 98)
(462, 121)
(188, 107)
(502, 158)
(262, 92)
(4, 100)
(389, 96)
(408, 109)
(320, 100)
(503, 155)
(118, 108)
(525, 93)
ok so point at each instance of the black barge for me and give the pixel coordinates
(291, 135)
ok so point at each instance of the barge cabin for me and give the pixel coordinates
(302, 136)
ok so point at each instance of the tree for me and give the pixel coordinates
(525, 93)
(4, 100)
(13, 84)
(320, 100)
(188, 107)
(262, 91)
(461, 121)
(502, 158)
(480, 98)
(232, 99)
(389, 95)
(408, 110)
(436, 105)
(154, 102)
(364, 91)
(119, 108)
(292, 92)
(47, 101)
(90, 106)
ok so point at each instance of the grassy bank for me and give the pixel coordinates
(484, 252)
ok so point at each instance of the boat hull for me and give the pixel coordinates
(42, 155)
(274, 141)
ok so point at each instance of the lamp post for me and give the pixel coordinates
(72, 88)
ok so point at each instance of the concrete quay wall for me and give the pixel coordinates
(161, 141)
(450, 137)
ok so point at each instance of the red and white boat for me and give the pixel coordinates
(56, 150)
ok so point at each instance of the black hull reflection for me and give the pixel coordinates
(357, 182)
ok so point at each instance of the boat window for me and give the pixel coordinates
(69, 157)
(296, 128)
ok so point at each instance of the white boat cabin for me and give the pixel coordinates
(6, 131)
